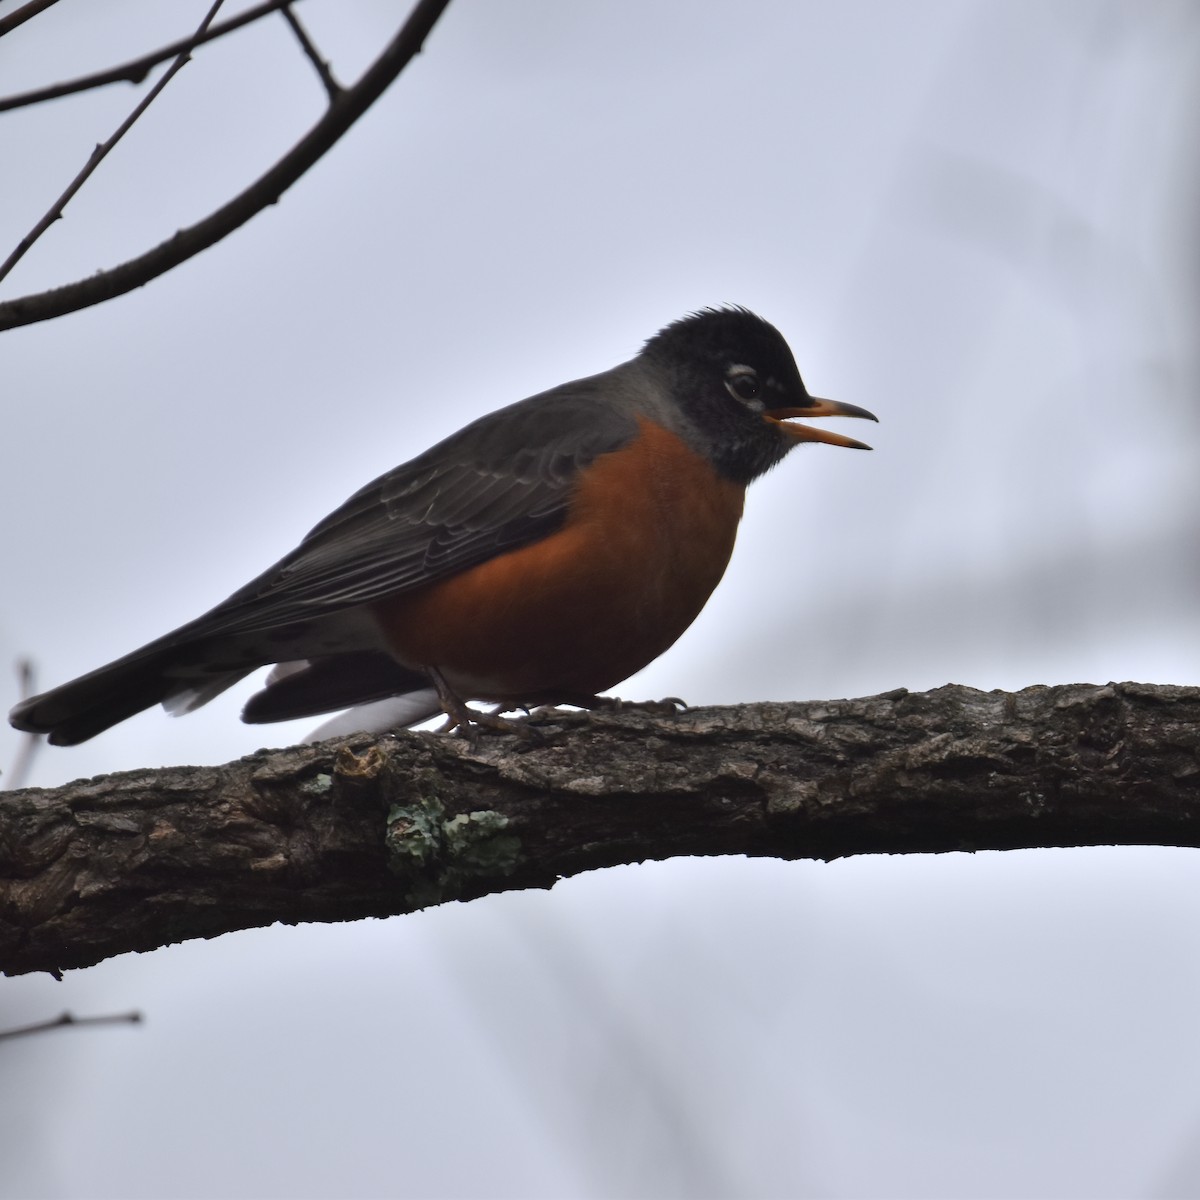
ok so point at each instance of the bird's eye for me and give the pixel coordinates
(743, 384)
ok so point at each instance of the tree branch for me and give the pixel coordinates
(98, 155)
(66, 1019)
(333, 89)
(267, 189)
(373, 827)
(136, 69)
(30, 742)
(25, 13)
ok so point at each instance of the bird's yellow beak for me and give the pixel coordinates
(819, 408)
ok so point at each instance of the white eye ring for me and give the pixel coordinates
(743, 384)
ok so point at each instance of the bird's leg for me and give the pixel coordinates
(468, 720)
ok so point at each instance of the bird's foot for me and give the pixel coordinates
(470, 722)
(668, 706)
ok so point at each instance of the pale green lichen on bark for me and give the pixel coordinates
(435, 856)
(476, 844)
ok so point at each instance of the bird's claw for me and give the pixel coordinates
(668, 706)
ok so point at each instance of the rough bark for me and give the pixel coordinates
(376, 826)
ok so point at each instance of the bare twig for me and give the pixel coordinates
(267, 189)
(136, 69)
(65, 1019)
(30, 742)
(332, 88)
(23, 14)
(98, 155)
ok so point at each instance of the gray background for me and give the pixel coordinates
(976, 218)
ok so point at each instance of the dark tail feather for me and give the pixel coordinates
(86, 706)
(327, 684)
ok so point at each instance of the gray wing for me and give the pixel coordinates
(503, 481)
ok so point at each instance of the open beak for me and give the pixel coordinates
(817, 407)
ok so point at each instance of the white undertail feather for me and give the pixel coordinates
(395, 712)
(283, 670)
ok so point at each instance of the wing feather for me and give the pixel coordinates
(498, 484)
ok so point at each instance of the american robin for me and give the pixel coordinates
(539, 556)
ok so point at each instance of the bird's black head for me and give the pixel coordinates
(737, 382)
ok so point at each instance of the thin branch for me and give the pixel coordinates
(332, 88)
(267, 189)
(136, 70)
(55, 212)
(30, 742)
(66, 1018)
(23, 14)
(378, 826)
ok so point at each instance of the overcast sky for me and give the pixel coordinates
(976, 218)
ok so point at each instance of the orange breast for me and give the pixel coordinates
(648, 535)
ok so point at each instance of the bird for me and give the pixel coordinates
(539, 556)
